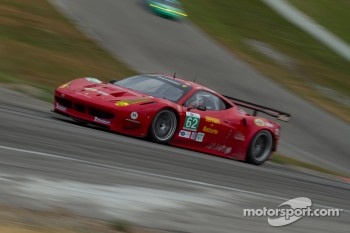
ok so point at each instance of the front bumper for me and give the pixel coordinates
(105, 114)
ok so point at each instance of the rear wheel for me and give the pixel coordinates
(163, 126)
(260, 148)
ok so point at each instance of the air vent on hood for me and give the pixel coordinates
(118, 94)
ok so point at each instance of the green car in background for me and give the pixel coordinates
(167, 8)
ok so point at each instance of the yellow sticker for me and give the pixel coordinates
(210, 130)
(212, 120)
(123, 103)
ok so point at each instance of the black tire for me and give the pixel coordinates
(163, 126)
(260, 148)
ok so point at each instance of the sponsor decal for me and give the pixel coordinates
(220, 148)
(210, 130)
(103, 121)
(200, 137)
(192, 121)
(239, 136)
(134, 115)
(60, 107)
(93, 80)
(212, 120)
(184, 134)
(259, 122)
(194, 135)
(123, 103)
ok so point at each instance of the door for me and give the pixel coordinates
(207, 129)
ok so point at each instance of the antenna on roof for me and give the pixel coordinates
(195, 78)
(174, 76)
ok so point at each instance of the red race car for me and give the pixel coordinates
(173, 111)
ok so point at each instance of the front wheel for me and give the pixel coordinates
(260, 148)
(163, 126)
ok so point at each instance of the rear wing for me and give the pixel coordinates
(282, 116)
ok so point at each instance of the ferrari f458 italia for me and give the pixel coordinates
(174, 111)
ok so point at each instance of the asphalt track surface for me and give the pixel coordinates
(48, 161)
(149, 43)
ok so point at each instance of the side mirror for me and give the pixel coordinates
(202, 108)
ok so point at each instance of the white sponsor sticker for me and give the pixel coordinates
(134, 115)
(218, 147)
(184, 134)
(60, 107)
(103, 121)
(200, 137)
(193, 135)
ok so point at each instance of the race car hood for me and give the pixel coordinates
(112, 93)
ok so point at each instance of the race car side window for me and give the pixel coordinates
(207, 99)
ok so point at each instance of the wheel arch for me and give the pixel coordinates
(161, 109)
(254, 130)
(252, 137)
(149, 133)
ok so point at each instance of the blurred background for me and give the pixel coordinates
(253, 49)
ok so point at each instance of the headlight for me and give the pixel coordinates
(122, 103)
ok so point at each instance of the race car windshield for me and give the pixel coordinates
(156, 86)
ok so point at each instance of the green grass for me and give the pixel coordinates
(232, 23)
(40, 48)
(121, 226)
(284, 160)
(334, 15)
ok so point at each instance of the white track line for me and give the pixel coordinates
(155, 175)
